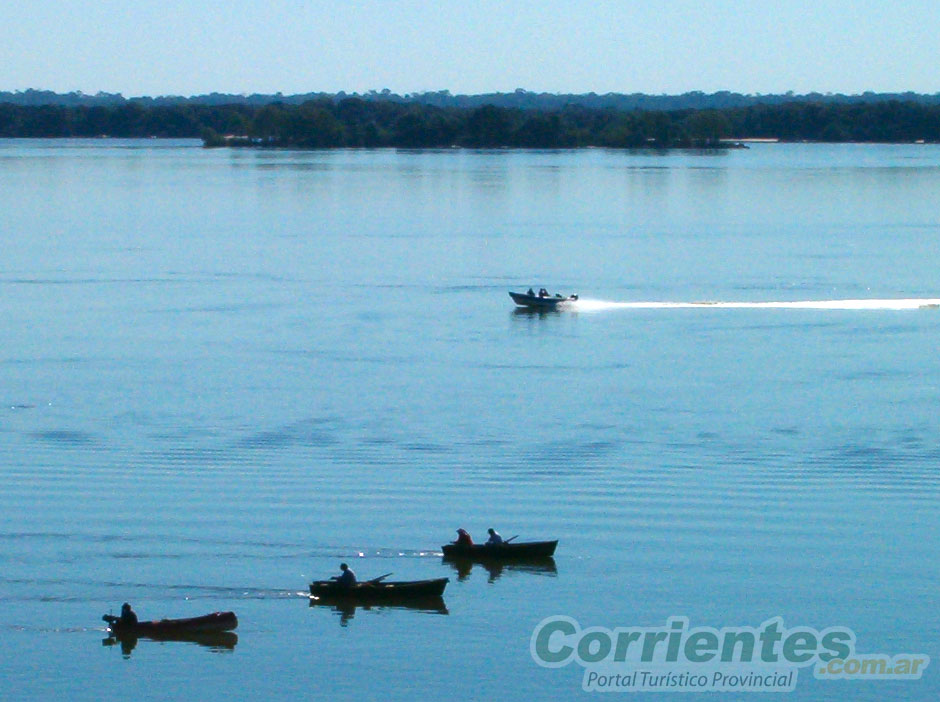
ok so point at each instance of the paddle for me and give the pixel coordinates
(511, 538)
(380, 578)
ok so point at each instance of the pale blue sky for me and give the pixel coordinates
(155, 47)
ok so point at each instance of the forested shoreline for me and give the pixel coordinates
(519, 98)
(355, 122)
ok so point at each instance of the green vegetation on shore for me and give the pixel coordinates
(354, 122)
(519, 99)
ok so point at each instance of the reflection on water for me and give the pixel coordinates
(541, 312)
(495, 569)
(217, 641)
(347, 610)
(282, 360)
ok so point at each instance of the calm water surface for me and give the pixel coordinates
(222, 372)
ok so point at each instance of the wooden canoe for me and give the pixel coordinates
(206, 624)
(505, 551)
(378, 592)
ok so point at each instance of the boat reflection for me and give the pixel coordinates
(496, 568)
(219, 641)
(538, 312)
(346, 610)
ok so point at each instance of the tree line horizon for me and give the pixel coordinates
(519, 98)
(373, 123)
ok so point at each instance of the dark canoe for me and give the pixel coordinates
(510, 551)
(539, 303)
(170, 628)
(378, 592)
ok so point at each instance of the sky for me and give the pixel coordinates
(172, 47)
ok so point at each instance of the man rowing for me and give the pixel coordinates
(347, 578)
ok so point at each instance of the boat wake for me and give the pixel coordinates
(919, 303)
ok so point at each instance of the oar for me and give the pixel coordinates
(380, 578)
(510, 539)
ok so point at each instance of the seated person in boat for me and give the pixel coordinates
(128, 616)
(530, 292)
(463, 538)
(347, 578)
(543, 292)
(495, 539)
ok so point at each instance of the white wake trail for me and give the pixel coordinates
(885, 304)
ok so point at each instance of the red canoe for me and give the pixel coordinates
(208, 623)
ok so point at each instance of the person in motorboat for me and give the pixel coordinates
(347, 578)
(463, 538)
(495, 539)
(530, 292)
(543, 292)
(128, 616)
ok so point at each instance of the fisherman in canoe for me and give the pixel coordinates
(347, 578)
(463, 538)
(495, 539)
(127, 624)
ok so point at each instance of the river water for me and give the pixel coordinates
(224, 372)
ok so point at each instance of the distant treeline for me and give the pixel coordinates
(354, 122)
(519, 99)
